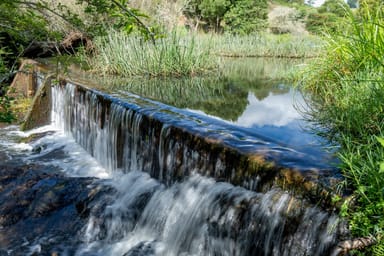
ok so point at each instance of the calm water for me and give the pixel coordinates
(250, 96)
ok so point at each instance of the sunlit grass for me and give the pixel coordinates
(348, 85)
(174, 55)
(267, 45)
(184, 53)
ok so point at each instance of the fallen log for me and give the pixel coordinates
(69, 45)
(344, 247)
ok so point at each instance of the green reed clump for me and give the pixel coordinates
(173, 55)
(348, 87)
(267, 45)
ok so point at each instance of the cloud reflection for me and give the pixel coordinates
(274, 110)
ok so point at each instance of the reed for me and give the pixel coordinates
(267, 45)
(174, 55)
(348, 87)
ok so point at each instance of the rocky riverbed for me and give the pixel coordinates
(42, 210)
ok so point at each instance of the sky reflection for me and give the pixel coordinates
(276, 110)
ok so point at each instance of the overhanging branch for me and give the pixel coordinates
(138, 21)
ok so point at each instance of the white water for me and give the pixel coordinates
(195, 216)
(200, 217)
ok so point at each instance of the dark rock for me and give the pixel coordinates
(43, 209)
(142, 249)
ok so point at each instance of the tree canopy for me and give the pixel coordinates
(237, 17)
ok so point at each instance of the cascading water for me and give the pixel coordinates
(188, 215)
(150, 197)
(202, 217)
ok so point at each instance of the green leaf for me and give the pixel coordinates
(381, 140)
(381, 167)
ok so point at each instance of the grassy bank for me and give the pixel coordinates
(348, 85)
(267, 45)
(173, 55)
(184, 54)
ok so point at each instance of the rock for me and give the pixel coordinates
(41, 208)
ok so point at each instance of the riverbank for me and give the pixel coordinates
(349, 90)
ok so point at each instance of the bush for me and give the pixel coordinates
(329, 17)
(317, 23)
(246, 16)
(239, 17)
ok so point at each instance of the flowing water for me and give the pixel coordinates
(197, 216)
(126, 211)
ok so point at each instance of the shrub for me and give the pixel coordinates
(240, 17)
(246, 16)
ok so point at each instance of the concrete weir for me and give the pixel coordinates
(127, 132)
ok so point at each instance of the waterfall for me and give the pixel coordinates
(162, 204)
(202, 217)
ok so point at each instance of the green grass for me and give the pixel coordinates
(183, 54)
(267, 45)
(348, 85)
(174, 55)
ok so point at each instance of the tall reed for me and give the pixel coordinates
(267, 45)
(348, 87)
(174, 55)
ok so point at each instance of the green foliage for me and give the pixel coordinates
(317, 23)
(337, 7)
(349, 89)
(267, 45)
(371, 5)
(5, 102)
(23, 22)
(213, 11)
(6, 115)
(239, 17)
(3, 67)
(246, 16)
(329, 17)
(174, 55)
(20, 26)
(105, 14)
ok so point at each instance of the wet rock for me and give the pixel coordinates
(42, 209)
(142, 249)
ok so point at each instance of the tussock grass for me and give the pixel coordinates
(348, 85)
(174, 55)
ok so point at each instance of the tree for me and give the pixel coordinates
(26, 25)
(337, 7)
(246, 16)
(213, 11)
(235, 16)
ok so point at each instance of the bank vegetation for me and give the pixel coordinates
(348, 87)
